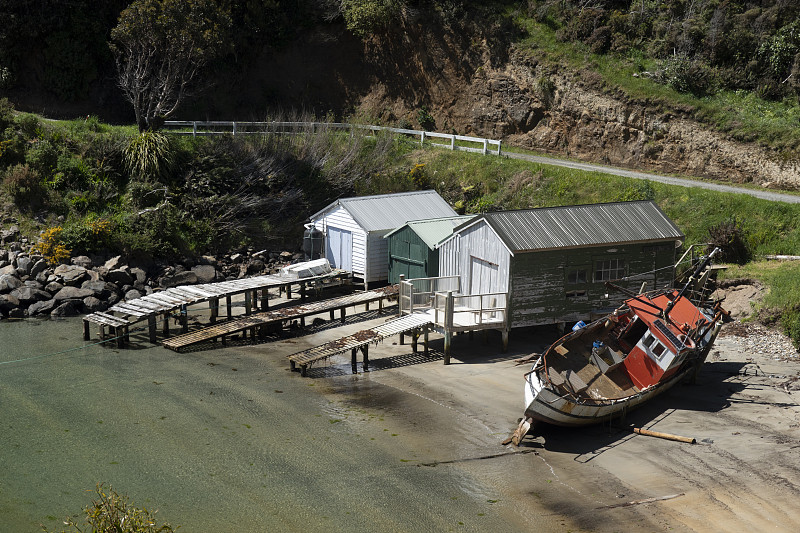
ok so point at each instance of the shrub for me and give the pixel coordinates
(730, 238)
(24, 185)
(425, 119)
(419, 177)
(112, 513)
(89, 235)
(148, 156)
(52, 248)
(6, 114)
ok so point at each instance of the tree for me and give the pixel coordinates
(161, 47)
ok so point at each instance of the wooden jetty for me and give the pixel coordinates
(119, 317)
(260, 322)
(361, 341)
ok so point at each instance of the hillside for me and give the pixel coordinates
(569, 78)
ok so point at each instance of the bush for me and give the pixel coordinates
(24, 185)
(729, 237)
(52, 248)
(149, 156)
(112, 513)
(425, 119)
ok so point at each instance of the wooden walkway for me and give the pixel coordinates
(362, 340)
(262, 321)
(118, 317)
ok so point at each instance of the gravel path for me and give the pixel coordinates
(669, 180)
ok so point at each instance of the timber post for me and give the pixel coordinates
(448, 325)
(165, 325)
(365, 351)
(184, 319)
(151, 328)
(248, 303)
(86, 332)
(213, 305)
(426, 329)
(229, 305)
(353, 353)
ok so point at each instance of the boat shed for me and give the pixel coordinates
(412, 247)
(553, 262)
(353, 228)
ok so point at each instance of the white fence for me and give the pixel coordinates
(216, 127)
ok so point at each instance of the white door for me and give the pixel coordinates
(339, 248)
(482, 276)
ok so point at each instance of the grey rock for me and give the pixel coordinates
(119, 277)
(9, 282)
(236, 258)
(42, 308)
(8, 269)
(42, 277)
(53, 287)
(255, 266)
(181, 278)
(133, 294)
(101, 289)
(139, 275)
(33, 284)
(82, 261)
(73, 293)
(72, 275)
(92, 304)
(24, 265)
(28, 295)
(38, 267)
(208, 260)
(17, 312)
(69, 308)
(113, 263)
(205, 273)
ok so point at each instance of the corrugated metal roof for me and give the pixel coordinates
(434, 230)
(388, 211)
(548, 228)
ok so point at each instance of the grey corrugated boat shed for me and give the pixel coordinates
(412, 246)
(353, 228)
(554, 261)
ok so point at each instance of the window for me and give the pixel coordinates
(609, 269)
(658, 350)
(576, 277)
(648, 340)
(576, 295)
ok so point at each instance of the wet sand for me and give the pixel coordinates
(228, 439)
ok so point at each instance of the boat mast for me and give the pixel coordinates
(696, 274)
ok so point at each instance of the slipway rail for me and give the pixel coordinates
(259, 323)
(119, 317)
(361, 341)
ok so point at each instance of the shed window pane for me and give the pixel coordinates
(576, 277)
(610, 269)
(658, 350)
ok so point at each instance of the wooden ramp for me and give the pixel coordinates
(263, 320)
(361, 340)
(179, 298)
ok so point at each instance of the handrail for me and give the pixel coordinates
(239, 128)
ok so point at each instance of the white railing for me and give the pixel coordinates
(419, 292)
(219, 127)
(490, 306)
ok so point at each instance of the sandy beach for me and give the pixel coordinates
(742, 474)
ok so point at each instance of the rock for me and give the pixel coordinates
(181, 278)
(8, 269)
(24, 265)
(71, 275)
(38, 267)
(17, 312)
(101, 289)
(82, 261)
(208, 260)
(68, 308)
(41, 308)
(92, 304)
(9, 282)
(255, 266)
(236, 258)
(33, 284)
(42, 277)
(53, 287)
(28, 295)
(73, 293)
(119, 276)
(205, 273)
(138, 274)
(113, 263)
(132, 294)
(7, 303)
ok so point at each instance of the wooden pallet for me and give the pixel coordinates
(118, 327)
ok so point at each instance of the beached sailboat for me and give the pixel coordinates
(600, 370)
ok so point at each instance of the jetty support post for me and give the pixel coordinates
(213, 305)
(165, 325)
(151, 327)
(229, 305)
(425, 330)
(353, 353)
(505, 339)
(184, 319)
(264, 299)
(248, 303)
(365, 351)
(414, 337)
(86, 330)
(448, 325)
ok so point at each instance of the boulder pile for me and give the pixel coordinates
(30, 287)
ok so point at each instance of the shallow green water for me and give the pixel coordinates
(222, 440)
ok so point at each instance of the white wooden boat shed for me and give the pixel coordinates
(353, 228)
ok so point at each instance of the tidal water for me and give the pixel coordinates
(219, 440)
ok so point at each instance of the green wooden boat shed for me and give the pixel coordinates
(412, 246)
(553, 262)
